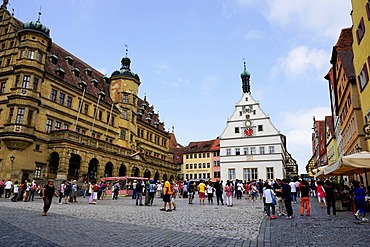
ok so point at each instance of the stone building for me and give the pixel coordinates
(61, 118)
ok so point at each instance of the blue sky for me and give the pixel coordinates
(189, 56)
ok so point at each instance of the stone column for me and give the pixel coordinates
(84, 165)
(64, 157)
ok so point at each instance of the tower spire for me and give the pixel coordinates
(245, 76)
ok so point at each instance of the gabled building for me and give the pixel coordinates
(331, 141)
(61, 118)
(215, 160)
(251, 147)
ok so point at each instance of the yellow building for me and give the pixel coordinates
(197, 161)
(331, 141)
(61, 118)
(361, 59)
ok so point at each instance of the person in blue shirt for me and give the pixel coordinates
(359, 198)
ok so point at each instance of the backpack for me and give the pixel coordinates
(139, 188)
(68, 188)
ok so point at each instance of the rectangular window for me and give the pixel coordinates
(86, 109)
(270, 172)
(253, 150)
(191, 166)
(100, 115)
(191, 156)
(208, 165)
(272, 149)
(29, 118)
(246, 151)
(195, 156)
(195, 166)
(35, 83)
(368, 10)
(187, 176)
(237, 151)
(216, 174)
(3, 86)
(204, 165)
(65, 126)
(49, 124)
(208, 175)
(53, 95)
(208, 155)
(204, 155)
(363, 77)
(125, 99)
(11, 112)
(69, 101)
(254, 173)
(20, 115)
(61, 98)
(122, 135)
(38, 172)
(237, 130)
(30, 54)
(228, 151)
(187, 166)
(124, 114)
(187, 156)
(260, 127)
(216, 163)
(262, 150)
(247, 174)
(39, 57)
(360, 32)
(231, 174)
(57, 125)
(26, 81)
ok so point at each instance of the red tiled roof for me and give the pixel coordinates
(199, 147)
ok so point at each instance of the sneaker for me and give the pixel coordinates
(273, 217)
(168, 210)
(162, 209)
(357, 216)
(301, 215)
(365, 219)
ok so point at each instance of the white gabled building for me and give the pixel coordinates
(251, 148)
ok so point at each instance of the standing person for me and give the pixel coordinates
(33, 187)
(159, 189)
(95, 193)
(166, 196)
(279, 198)
(269, 196)
(219, 190)
(134, 189)
(184, 190)
(191, 192)
(173, 195)
(61, 190)
(74, 190)
(313, 188)
(47, 195)
(139, 193)
(293, 191)
(84, 187)
(260, 188)
(100, 192)
(359, 198)
(15, 191)
(116, 188)
(8, 188)
(321, 193)
(287, 196)
(152, 190)
(104, 190)
(91, 192)
(2, 187)
(202, 192)
(330, 197)
(305, 198)
(239, 191)
(254, 191)
(210, 193)
(229, 194)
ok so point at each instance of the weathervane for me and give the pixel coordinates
(126, 50)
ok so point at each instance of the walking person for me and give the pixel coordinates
(74, 191)
(2, 187)
(287, 196)
(330, 197)
(270, 201)
(33, 187)
(8, 188)
(84, 187)
(15, 191)
(359, 198)
(219, 192)
(305, 198)
(202, 191)
(134, 189)
(47, 195)
(61, 190)
(173, 195)
(116, 188)
(279, 198)
(293, 191)
(229, 194)
(321, 193)
(191, 192)
(27, 186)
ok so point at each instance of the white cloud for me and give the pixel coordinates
(161, 67)
(253, 35)
(301, 60)
(103, 71)
(323, 18)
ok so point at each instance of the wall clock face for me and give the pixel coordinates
(248, 132)
(248, 123)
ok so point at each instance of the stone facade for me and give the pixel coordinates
(61, 118)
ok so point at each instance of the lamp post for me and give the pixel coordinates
(83, 85)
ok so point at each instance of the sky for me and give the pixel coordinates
(189, 55)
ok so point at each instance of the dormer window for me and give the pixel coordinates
(106, 79)
(148, 119)
(88, 71)
(60, 72)
(144, 105)
(156, 124)
(76, 72)
(94, 82)
(69, 60)
(54, 58)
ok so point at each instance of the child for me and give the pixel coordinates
(173, 195)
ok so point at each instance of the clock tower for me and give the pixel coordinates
(251, 147)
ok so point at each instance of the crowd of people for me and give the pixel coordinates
(277, 195)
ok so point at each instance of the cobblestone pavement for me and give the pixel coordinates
(121, 223)
(319, 229)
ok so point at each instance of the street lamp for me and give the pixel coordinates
(12, 161)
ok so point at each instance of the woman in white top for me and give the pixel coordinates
(210, 193)
(269, 196)
(8, 188)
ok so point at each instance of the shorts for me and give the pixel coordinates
(69, 193)
(201, 195)
(167, 198)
